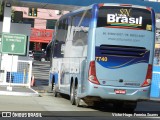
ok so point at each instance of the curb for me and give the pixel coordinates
(154, 99)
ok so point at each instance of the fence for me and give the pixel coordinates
(20, 77)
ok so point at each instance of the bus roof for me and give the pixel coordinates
(103, 4)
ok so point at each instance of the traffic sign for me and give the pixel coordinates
(14, 44)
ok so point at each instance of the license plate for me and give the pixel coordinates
(120, 91)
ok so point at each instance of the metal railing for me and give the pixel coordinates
(20, 77)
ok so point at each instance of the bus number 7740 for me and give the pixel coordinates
(103, 59)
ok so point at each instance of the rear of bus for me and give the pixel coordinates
(124, 47)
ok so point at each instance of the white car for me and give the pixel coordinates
(30, 54)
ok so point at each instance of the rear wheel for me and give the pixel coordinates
(53, 88)
(78, 102)
(72, 94)
(77, 99)
(55, 94)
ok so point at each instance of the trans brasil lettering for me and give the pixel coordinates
(119, 18)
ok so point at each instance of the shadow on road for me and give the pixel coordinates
(103, 107)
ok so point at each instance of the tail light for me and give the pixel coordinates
(148, 8)
(92, 73)
(147, 81)
(101, 5)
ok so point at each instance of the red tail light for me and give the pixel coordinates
(148, 8)
(147, 81)
(101, 4)
(92, 73)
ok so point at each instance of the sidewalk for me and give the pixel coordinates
(18, 91)
(155, 99)
(20, 103)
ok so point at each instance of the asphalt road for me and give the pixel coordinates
(61, 106)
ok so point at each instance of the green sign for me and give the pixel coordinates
(14, 44)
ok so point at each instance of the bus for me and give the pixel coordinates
(103, 52)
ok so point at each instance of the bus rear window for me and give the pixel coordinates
(124, 17)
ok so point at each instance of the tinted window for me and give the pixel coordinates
(81, 23)
(28, 21)
(38, 52)
(51, 24)
(124, 17)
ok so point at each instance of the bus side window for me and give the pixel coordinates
(58, 49)
(60, 38)
(48, 52)
(80, 37)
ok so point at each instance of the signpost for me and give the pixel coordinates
(14, 44)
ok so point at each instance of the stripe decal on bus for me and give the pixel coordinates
(113, 61)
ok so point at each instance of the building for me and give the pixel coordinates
(42, 22)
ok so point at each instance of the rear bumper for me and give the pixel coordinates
(107, 92)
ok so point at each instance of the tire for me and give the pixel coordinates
(78, 102)
(72, 94)
(77, 99)
(53, 89)
(55, 94)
